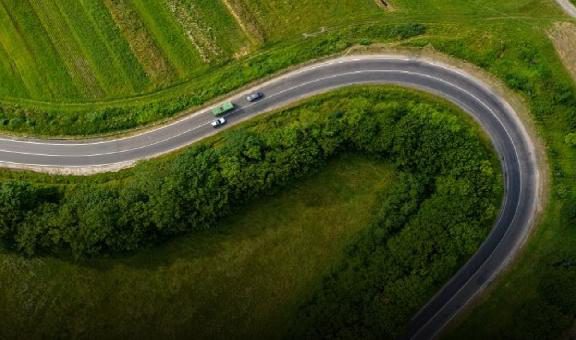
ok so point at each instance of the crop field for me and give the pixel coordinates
(78, 51)
(91, 50)
(124, 64)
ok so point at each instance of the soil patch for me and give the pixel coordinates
(563, 36)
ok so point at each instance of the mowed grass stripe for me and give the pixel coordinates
(109, 73)
(116, 44)
(62, 37)
(170, 36)
(246, 20)
(38, 63)
(11, 82)
(150, 56)
(17, 49)
(218, 21)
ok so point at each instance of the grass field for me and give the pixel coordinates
(246, 279)
(87, 50)
(97, 50)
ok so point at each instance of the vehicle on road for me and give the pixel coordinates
(218, 122)
(222, 109)
(256, 96)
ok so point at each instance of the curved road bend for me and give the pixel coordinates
(496, 117)
(568, 7)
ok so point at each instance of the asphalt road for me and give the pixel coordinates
(568, 7)
(496, 117)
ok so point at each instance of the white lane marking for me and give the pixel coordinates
(490, 256)
(266, 98)
(109, 153)
(309, 68)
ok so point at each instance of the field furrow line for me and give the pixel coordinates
(106, 70)
(116, 44)
(66, 45)
(16, 45)
(246, 20)
(141, 42)
(13, 78)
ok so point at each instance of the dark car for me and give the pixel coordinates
(252, 97)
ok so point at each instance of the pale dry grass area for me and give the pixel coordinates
(201, 36)
(246, 20)
(141, 42)
(563, 36)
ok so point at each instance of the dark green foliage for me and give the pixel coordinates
(16, 198)
(545, 320)
(204, 183)
(433, 219)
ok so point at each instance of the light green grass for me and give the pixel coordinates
(62, 36)
(245, 279)
(94, 50)
(34, 58)
(168, 35)
(118, 49)
(211, 28)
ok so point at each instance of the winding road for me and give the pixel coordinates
(497, 118)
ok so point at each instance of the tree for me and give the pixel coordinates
(570, 139)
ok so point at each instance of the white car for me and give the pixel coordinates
(218, 122)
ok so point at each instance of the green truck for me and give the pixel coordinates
(222, 109)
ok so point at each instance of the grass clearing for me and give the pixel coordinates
(563, 36)
(168, 35)
(246, 279)
(211, 28)
(123, 60)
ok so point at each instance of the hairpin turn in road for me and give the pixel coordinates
(506, 131)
